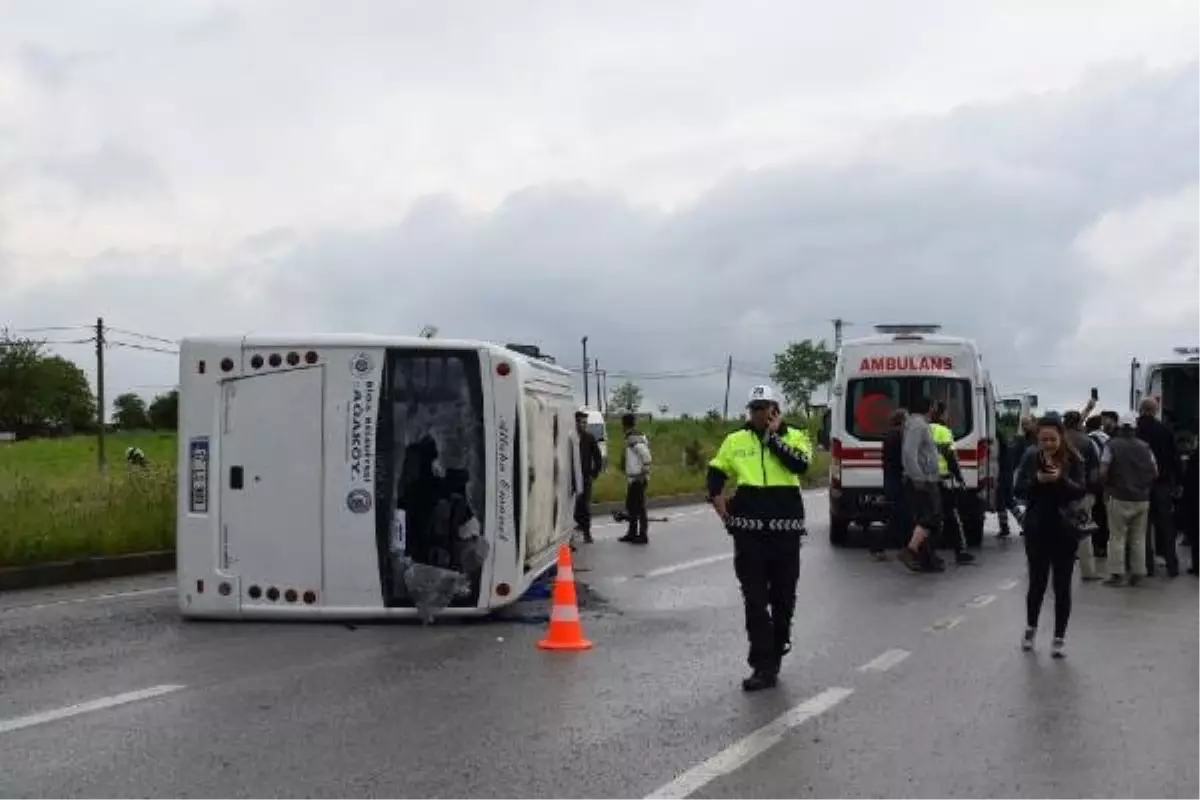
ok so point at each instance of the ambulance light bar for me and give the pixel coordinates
(908, 329)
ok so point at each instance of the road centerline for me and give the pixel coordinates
(66, 712)
(885, 660)
(749, 747)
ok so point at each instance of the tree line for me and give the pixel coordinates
(42, 394)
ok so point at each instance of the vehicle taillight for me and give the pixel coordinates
(982, 450)
(835, 463)
(503, 368)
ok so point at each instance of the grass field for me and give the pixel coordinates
(55, 505)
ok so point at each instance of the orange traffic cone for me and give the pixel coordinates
(565, 632)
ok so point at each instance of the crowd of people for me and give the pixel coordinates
(1111, 492)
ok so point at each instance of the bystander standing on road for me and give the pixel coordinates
(1160, 539)
(1128, 472)
(952, 483)
(1051, 479)
(765, 517)
(591, 464)
(922, 482)
(1004, 481)
(636, 460)
(1191, 505)
(899, 522)
(1099, 437)
(1081, 443)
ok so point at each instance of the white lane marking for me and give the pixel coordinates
(980, 601)
(97, 598)
(1012, 584)
(673, 568)
(944, 624)
(42, 717)
(885, 660)
(744, 750)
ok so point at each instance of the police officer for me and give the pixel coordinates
(765, 517)
(952, 481)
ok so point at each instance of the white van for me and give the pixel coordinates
(874, 376)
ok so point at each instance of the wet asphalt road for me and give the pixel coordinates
(899, 685)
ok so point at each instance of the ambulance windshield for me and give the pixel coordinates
(871, 401)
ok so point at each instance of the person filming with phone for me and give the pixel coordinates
(1052, 480)
(765, 458)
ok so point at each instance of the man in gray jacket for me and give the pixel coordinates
(922, 480)
(1127, 471)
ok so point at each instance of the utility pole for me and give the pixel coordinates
(586, 397)
(599, 394)
(837, 333)
(101, 461)
(728, 380)
(603, 398)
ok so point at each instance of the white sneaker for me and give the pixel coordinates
(1057, 649)
(1027, 639)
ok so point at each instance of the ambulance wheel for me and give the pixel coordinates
(973, 517)
(839, 532)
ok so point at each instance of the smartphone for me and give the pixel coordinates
(1095, 393)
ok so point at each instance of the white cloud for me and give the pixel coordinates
(679, 180)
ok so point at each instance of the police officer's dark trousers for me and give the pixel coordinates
(767, 564)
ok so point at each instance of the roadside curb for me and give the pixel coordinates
(81, 570)
(85, 569)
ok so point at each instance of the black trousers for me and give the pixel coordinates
(635, 507)
(583, 509)
(1160, 538)
(899, 526)
(952, 532)
(1049, 553)
(767, 565)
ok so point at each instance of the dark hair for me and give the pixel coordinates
(1114, 416)
(1093, 423)
(921, 405)
(580, 415)
(898, 417)
(1065, 451)
(629, 419)
(1072, 419)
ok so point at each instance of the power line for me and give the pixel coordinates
(50, 329)
(47, 341)
(144, 347)
(146, 336)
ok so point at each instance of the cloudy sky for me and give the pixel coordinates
(678, 180)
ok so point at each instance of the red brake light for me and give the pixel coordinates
(985, 446)
(835, 463)
(503, 368)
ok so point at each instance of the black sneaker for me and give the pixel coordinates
(640, 540)
(963, 557)
(587, 537)
(629, 537)
(910, 559)
(759, 681)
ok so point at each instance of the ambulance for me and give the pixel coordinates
(874, 376)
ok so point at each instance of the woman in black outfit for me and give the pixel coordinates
(1050, 479)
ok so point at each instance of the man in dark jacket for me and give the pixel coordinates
(591, 464)
(899, 524)
(1161, 539)
(1004, 482)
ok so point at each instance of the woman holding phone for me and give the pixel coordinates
(1051, 481)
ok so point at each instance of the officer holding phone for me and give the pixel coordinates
(765, 517)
